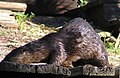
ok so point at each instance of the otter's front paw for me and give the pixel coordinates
(67, 65)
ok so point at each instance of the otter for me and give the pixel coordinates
(75, 41)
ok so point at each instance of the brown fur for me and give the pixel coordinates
(76, 41)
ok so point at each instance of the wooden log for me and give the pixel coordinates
(50, 20)
(21, 1)
(53, 8)
(13, 6)
(6, 20)
(47, 69)
(111, 11)
(112, 1)
(76, 71)
(13, 67)
(53, 69)
(92, 71)
(95, 71)
(117, 72)
(28, 68)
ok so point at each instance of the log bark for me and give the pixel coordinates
(58, 71)
(28, 68)
(13, 6)
(53, 69)
(92, 71)
(13, 67)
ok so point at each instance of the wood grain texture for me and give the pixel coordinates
(6, 20)
(89, 71)
(13, 6)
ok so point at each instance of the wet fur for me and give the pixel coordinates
(75, 42)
